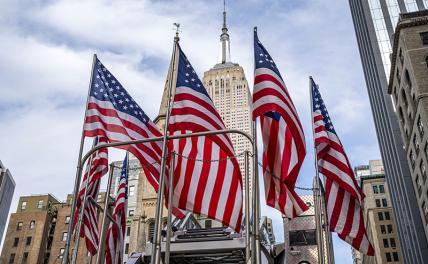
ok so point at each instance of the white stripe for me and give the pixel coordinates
(355, 221)
(196, 175)
(236, 206)
(268, 71)
(339, 173)
(179, 187)
(332, 199)
(211, 179)
(343, 213)
(225, 190)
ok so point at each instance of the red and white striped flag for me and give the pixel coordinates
(200, 185)
(96, 167)
(115, 236)
(343, 195)
(283, 138)
(113, 113)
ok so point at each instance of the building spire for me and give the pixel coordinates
(224, 38)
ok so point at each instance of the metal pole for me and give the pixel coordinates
(156, 251)
(317, 191)
(247, 208)
(256, 255)
(104, 223)
(82, 210)
(170, 192)
(285, 221)
(326, 227)
(78, 173)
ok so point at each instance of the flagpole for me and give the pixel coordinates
(170, 192)
(256, 255)
(77, 178)
(285, 221)
(104, 223)
(156, 250)
(82, 210)
(327, 232)
(247, 208)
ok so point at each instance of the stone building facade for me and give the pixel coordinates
(379, 217)
(408, 87)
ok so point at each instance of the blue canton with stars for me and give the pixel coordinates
(187, 76)
(124, 174)
(262, 58)
(105, 87)
(318, 104)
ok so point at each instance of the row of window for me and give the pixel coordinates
(384, 216)
(389, 243)
(391, 256)
(383, 204)
(378, 188)
(33, 224)
(39, 205)
(27, 242)
(13, 255)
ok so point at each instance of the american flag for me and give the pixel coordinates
(96, 167)
(115, 237)
(201, 186)
(343, 195)
(283, 138)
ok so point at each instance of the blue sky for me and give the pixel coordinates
(46, 50)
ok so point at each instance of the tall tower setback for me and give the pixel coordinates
(374, 23)
(228, 88)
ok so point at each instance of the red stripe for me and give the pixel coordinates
(190, 166)
(268, 77)
(202, 184)
(215, 196)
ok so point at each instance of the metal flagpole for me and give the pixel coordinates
(105, 223)
(256, 254)
(170, 192)
(82, 211)
(327, 232)
(156, 251)
(317, 190)
(77, 179)
(285, 221)
(247, 208)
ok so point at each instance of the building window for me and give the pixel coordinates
(420, 127)
(384, 202)
(19, 226)
(126, 248)
(67, 219)
(423, 171)
(387, 216)
(418, 184)
(25, 257)
(380, 216)
(395, 256)
(424, 38)
(416, 144)
(377, 203)
(16, 242)
(40, 204)
(412, 159)
(208, 223)
(61, 253)
(23, 205)
(11, 258)
(388, 257)
(425, 210)
(392, 242)
(389, 228)
(382, 229)
(28, 242)
(131, 190)
(64, 236)
(381, 189)
(128, 230)
(131, 213)
(151, 231)
(404, 98)
(385, 243)
(375, 189)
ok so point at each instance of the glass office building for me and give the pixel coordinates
(7, 187)
(374, 23)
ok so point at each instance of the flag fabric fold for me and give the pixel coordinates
(115, 236)
(96, 167)
(283, 138)
(343, 195)
(207, 178)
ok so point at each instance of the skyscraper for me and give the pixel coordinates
(7, 187)
(228, 88)
(374, 22)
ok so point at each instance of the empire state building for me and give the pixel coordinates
(227, 86)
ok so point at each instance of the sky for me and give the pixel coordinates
(46, 50)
